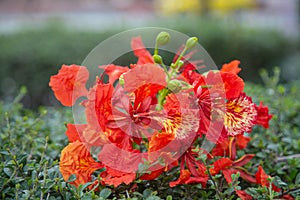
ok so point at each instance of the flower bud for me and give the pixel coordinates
(175, 86)
(180, 63)
(162, 38)
(191, 42)
(157, 59)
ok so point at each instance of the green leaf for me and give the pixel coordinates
(279, 183)
(105, 193)
(71, 178)
(297, 180)
(8, 171)
(169, 197)
(147, 193)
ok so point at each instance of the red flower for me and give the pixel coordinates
(76, 159)
(69, 84)
(140, 51)
(232, 67)
(263, 116)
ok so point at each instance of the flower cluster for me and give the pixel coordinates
(147, 118)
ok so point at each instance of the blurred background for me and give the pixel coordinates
(38, 36)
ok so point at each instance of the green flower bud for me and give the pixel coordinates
(175, 86)
(173, 66)
(162, 38)
(191, 42)
(180, 63)
(157, 59)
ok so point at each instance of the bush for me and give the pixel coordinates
(31, 142)
(29, 57)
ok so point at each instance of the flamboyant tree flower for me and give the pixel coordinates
(69, 84)
(154, 117)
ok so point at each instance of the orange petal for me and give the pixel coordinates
(69, 84)
(232, 67)
(76, 159)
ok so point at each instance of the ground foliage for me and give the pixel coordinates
(31, 141)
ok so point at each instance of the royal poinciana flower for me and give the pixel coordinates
(154, 117)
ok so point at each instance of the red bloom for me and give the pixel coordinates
(140, 51)
(114, 72)
(69, 84)
(76, 159)
(263, 116)
(232, 67)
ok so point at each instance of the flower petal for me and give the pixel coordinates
(220, 164)
(140, 51)
(76, 159)
(75, 132)
(232, 67)
(149, 77)
(69, 84)
(114, 71)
